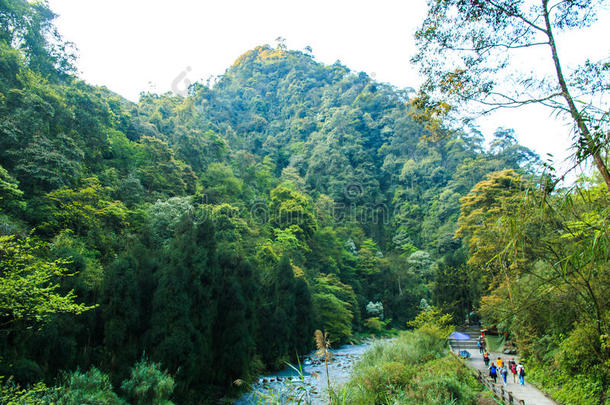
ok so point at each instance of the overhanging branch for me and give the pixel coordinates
(519, 16)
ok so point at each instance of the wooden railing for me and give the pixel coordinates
(498, 390)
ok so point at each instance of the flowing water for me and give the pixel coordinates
(287, 386)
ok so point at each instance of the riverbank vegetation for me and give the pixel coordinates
(415, 368)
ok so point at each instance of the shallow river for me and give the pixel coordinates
(286, 386)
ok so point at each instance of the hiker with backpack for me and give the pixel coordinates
(504, 373)
(512, 365)
(521, 373)
(493, 372)
(481, 345)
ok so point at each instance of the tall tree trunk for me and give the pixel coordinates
(576, 115)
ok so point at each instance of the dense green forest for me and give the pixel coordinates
(170, 247)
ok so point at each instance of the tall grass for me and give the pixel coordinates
(414, 369)
(323, 346)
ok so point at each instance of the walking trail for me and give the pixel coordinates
(528, 393)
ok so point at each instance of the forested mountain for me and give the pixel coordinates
(211, 234)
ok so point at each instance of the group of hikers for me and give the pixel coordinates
(516, 368)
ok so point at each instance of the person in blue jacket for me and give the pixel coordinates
(493, 372)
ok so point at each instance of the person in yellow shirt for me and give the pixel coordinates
(499, 362)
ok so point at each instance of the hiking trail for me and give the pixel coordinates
(528, 393)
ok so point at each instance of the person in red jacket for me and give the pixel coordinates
(512, 365)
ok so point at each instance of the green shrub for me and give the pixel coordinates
(374, 324)
(563, 387)
(11, 393)
(90, 388)
(26, 371)
(579, 352)
(432, 321)
(148, 385)
(570, 369)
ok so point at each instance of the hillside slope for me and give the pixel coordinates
(215, 232)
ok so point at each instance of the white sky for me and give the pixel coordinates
(137, 45)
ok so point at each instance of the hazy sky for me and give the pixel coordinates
(137, 45)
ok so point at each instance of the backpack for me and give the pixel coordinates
(522, 372)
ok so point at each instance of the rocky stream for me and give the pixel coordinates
(289, 386)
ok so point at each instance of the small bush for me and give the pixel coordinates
(12, 393)
(148, 385)
(374, 324)
(26, 371)
(90, 388)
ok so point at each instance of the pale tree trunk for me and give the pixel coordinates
(576, 115)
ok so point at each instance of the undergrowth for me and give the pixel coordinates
(416, 368)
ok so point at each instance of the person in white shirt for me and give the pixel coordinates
(521, 373)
